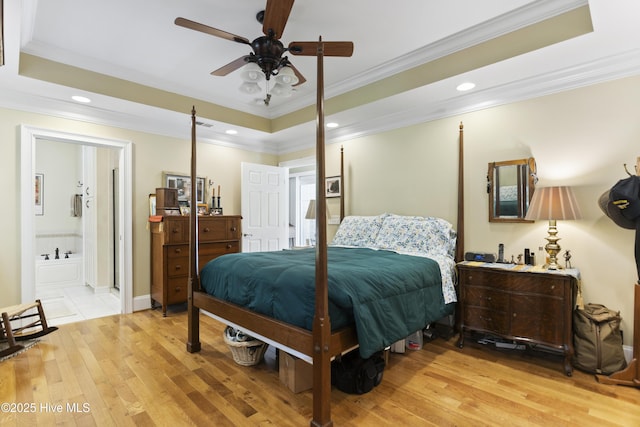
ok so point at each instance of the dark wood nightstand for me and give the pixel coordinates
(522, 303)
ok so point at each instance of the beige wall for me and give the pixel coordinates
(152, 154)
(579, 138)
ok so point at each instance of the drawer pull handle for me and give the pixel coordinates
(553, 286)
(206, 229)
(488, 298)
(178, 250)
(234, 229)
(178, 288)
(175, 230)
(515, 314)
(228, 246)
(178, 267)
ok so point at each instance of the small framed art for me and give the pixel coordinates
(39, 194)
(333, 186)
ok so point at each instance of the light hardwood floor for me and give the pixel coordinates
(134, 370)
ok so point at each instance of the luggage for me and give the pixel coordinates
(598, 340)
(352, 374)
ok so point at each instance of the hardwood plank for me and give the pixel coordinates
(135, 370)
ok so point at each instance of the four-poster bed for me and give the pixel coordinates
(321, 343)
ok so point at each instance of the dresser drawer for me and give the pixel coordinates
(178, 266)
(540, 284)
(177, 290)
(177, 251)
(177, 230)
(480, 296)
(538, 318)
(483, 277)
(211, 229)
(486, 319)
(209, 251)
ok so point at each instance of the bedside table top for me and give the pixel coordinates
(522, 268)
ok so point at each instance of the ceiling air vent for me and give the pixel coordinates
(203, 124)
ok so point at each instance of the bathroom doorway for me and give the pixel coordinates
(113, 231)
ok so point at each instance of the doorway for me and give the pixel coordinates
(29, 137)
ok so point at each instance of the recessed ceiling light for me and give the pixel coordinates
(332, 125)
(466, 86)
(82, 99)
(231, 132)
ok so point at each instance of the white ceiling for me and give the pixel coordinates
(137, 41)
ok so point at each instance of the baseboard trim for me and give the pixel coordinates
(628, 352)
(142, 302)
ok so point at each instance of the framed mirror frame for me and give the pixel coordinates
(510, 185)
(182, 183)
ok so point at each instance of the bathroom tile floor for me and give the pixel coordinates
(76, 303)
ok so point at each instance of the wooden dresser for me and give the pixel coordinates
(526, 307)
(218, 235)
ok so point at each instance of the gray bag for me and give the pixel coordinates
(598, 340)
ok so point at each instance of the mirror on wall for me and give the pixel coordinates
(510, 185)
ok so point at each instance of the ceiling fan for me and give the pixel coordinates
(267, 50)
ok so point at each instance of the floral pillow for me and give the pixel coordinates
(417, 234)
(358, 231)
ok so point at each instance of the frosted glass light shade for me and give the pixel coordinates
(250, 88)
(286, 76)
(252, 73)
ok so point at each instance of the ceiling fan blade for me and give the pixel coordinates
(330, 48)
(275, 16)
(298, 74)
(230, 67)
(192, 25)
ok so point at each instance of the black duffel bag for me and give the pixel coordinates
(352, 374)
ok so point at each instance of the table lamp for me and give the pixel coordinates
(553, 203)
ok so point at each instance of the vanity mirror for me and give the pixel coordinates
(510, 185)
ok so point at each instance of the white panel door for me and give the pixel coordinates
(89, 216)
(265, 222)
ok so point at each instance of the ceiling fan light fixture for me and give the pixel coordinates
(252, 73)
(286, 76)
(250, 87)
(281, 90)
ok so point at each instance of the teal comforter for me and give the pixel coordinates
(387, 295)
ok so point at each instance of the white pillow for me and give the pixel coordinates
(417, 234)
(358, 231)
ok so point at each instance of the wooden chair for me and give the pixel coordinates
(25, 327)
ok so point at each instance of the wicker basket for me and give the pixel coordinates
(246, 353)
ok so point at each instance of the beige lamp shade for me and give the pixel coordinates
(553, 203)
(311, 210)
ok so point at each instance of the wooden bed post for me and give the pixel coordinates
(321, 322)
(342, 178)
(460, 225)
(193, 312)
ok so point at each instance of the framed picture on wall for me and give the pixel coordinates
(183, 184)
(333, 186)
(152, 204)
(39, 194)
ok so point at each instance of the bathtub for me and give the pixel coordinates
(55, 273)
